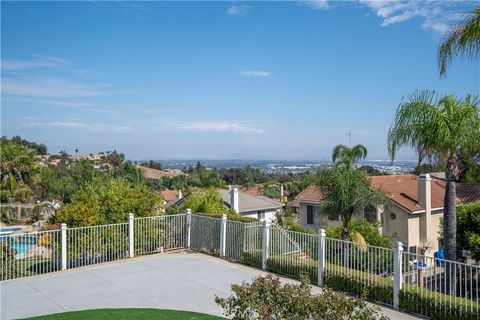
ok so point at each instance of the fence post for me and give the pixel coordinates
(397, 272)
(63, 234)
(131, 247)
(265, 243)
(321, 256)
(189, 227)
(223, 235)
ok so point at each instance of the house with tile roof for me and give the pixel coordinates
(412, 217)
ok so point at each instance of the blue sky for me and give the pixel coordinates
(270, 80)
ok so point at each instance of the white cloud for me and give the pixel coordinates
(218, 126)
(48, 87)
(436, 15)
(39, 61)
(91, 127)
(256, 73)
(238, 10)
(317, 4)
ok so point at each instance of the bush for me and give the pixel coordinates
(435, 305)
(8, 264)
(266, 298)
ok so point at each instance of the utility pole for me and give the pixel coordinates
(350, 139)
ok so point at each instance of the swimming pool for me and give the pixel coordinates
(20, 245)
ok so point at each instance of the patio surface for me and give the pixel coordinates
(181, 281)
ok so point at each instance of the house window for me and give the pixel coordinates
(412, 249)
(260, 215)
(313, 215)
(370, 214)
(393, 216)
(333, 216)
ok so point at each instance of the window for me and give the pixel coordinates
(313, 215)
(393, 216)
(370, 214)
(260, 215)
(333, 216)
(412, 249)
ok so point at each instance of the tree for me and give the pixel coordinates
(207, 201)
(346, 192)
(18, 169)
(462, 39)
(105, 202)
(445, 126)
(345, 156)
(76, 152)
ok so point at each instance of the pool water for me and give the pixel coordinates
(20, 247)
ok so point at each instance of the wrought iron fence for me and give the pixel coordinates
(205, 234)
(27, 254)
(96, 244)
(159, 233)
(244, 242)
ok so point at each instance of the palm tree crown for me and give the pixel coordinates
(444, 126)
(463, 40)
(345, 156)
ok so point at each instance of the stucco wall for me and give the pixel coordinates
(395, 229)
(270, 215)
(324, 222)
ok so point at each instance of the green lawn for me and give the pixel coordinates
(128, 314)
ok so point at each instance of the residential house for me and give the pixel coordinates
(259, 207)
(170, 197)
(412, 217)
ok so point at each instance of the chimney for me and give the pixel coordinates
(281, 191)
(179, 194)
(425, 200)
(229, 187)
(234, 203)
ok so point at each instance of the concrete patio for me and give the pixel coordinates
(182, 281)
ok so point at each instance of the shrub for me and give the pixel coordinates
(267, 298)
(8, 265)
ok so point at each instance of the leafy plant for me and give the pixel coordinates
(267, 298)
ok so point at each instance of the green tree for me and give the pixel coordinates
(105, 202)
(345, 156)
(462, 39)
(18, 169)
(446, 126)
(346, 192)
(207, 201)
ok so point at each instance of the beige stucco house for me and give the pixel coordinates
(413, 216)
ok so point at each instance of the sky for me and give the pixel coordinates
(221, 80)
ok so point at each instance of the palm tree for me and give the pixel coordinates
(17, 169)
(444, 126)
(345, 156)
(347, 192)
(462, 39)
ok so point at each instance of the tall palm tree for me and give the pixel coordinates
(346, 192)
(462, 39)
(345, 156)
(444, 126)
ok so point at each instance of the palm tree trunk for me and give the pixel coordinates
(450, 219)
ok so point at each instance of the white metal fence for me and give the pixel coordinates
(28, 254)
(414, 283)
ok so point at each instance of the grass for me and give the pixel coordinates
(128, 314)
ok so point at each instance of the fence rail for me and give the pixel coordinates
(413, 283)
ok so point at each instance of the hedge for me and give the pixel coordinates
(232, 217)
(376, 288)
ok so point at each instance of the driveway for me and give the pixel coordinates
(181, 281)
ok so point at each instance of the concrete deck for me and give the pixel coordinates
(181, 281)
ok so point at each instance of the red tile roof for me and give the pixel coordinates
(310, 194)
(169, 195)
(403, 190)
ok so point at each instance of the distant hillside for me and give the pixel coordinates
(157, 174)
